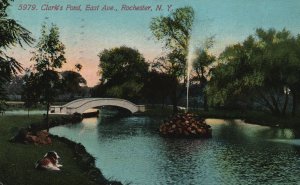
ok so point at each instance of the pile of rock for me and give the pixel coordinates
(39, 137)
(185, 125)
(36, 133)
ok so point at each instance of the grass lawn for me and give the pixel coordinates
(17, 160)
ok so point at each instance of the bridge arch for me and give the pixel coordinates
(81, 105)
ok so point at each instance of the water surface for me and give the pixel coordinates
(25, 112)
(129, 149)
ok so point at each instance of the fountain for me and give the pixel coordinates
(186, 125)
(189, 63)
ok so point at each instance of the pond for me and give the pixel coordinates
(129, 149)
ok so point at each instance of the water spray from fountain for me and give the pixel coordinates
(189, 64)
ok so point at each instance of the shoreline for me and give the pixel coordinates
(249, 117)
(84, 160)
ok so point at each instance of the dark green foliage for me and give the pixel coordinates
(14, 87)
(122, 63)
(72, 82)
(11, 34)
(31, 91)
(122, 72)
(264, 68)
(158, 87)
(202, 67)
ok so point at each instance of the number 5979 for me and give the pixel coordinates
(27, 7)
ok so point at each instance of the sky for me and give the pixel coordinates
(86, 33)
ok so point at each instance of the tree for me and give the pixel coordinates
(294, 79)
(264, 67)
(31, 92)
(14, 86)
(49, 56)
(158, 86)
(11, 34)
(122, 71)
(72, 82)
(202, 65)
(175, 32)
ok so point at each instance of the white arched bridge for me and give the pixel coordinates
(81, 105)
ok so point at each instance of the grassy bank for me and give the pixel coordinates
(17, 160)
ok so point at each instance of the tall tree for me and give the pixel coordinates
(122, 72)
(49, 56)
(11, 34)
(175, 32)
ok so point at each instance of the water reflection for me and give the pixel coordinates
(129, 149)
(233, 129)
(179, 161)
(25, 112)
(87, 125)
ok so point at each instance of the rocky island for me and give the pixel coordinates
(185, 125)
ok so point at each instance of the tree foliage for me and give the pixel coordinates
(175, 32)
(30, 89)
(121, 63)
(14, 86)
(11, 34)
(265, 67)
(122, 70)
(158, 87)
(50, 50)
(72, 82)
(202, 66)
(49, 56)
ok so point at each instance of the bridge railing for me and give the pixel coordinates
(107, 102)
(77, 105)
(88, 100)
